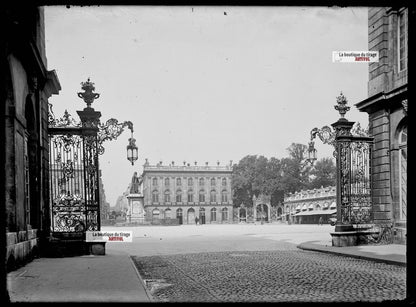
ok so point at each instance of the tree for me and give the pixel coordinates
(295, 170)
(251, 176)
(324, 173)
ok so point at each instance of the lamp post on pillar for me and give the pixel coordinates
(352, 150)
(342, 129)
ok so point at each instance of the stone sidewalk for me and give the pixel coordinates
(391, 253)
(109, 278)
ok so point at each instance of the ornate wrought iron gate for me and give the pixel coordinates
(354, 155)
(74, 179)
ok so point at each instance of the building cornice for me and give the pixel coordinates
(381, 99)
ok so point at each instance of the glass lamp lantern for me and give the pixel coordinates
(132, 151)
(312, 152)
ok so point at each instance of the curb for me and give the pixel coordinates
(325, 249)
(148, 294)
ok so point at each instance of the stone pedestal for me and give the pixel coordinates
(136, 212)
(351, 238)
(96, 248)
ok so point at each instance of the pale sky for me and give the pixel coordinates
(201, 85)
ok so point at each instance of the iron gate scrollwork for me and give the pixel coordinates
(74, 194)
(355, 180)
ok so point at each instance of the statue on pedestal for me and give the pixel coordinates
(135, 184)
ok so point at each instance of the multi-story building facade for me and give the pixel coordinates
(184, 192)
(386, 106)
(308, 206)
(26, 87)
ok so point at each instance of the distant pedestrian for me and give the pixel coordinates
(320, 221)
(196, 220)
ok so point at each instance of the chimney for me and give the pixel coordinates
(196, 163)
(173, 163)
(206, 163)
(184, 163)
(218, 162)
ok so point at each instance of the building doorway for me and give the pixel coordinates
(191, 215)
(179, 216)
(224, 215)
(262, 213)
(202, 216)
(243, 215)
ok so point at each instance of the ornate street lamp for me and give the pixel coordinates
(311, 152)
(132, 150)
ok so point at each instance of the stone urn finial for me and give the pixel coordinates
(88, 94)
(341, 105)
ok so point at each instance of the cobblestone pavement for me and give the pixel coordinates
(284, 275)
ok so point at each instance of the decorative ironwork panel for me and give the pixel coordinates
(73, 176)
(355, 180)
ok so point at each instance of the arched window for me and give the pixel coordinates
(224, 181)
(213, 196)
(168, 213)
(213, 214)
(224, 214)
(213, 182)
(224, 196)
(201, 182)
(167, 196)
(179, 196)
(310, 207)
(333, 206)
(190, 196)
(190, 182)
(155, 196)
(167, 182)
(155, 213)
(304, 207)
(154, 181)
(318, 207)
(201, 196)
(178, 181)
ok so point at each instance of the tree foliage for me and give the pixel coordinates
(254, 175)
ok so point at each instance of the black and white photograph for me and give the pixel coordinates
(205, 154)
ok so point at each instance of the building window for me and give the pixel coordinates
(201, 196)
(224, 181)
(155, 213)
(167, 182)
(154, 182)
(224, 214)
(168, 213)
(213, 214)
(402, 40)
(201, 182)
(155, 196)
(224, 196)
(213, 196)
(190, 182)
(213, 182)
(178, 196)
(190, 196)
(167, 196)
(178, 181)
